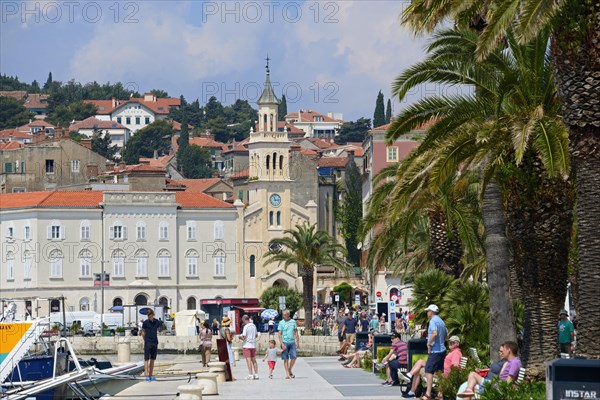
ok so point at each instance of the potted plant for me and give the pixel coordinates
(120, 330)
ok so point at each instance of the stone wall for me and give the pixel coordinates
(309, 345)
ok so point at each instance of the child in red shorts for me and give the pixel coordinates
(271, 357)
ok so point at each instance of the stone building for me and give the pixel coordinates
(61, 164)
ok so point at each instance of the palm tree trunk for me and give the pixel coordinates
(446, 250)
(502, 321)
(576, 58)
(539, 226)
(307, 294)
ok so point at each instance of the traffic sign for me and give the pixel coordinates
(378, 294)
(281, 299)
(379, 298)
(282, 307)
(357, 298)
(392, 304)
(394, 298)
(337, 297)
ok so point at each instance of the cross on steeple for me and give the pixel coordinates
(268, 59)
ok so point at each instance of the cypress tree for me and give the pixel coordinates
(388, 112)
(379, 115)
(48, 81)
(183, 144)
(282, 111)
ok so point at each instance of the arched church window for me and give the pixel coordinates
(270, 218)
(280, 164)
(252, 266)
(268, 161)
(274, 160)
(278, 218)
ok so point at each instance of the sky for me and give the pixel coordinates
(328, 56)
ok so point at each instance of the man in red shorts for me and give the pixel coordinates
(248, 335)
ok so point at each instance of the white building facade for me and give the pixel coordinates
(163, 248)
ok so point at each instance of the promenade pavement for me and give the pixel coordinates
(316, 378)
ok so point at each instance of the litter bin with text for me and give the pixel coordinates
(380, 341)
(417, 350)
(575, 378)
(362, 338)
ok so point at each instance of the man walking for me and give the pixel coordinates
(566, 333)
(289, 339)
(249, 347)
(150, 335)
(436, 336)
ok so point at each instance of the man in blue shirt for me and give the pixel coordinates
(150, 334)
(289, 341)
(436, 336)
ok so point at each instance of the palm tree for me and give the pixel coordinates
(397, 208)
(575, 29)
(307, 248)
(512, 129)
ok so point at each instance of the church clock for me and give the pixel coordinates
(275, 200)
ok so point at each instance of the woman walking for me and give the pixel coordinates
(226, 335)
(205, 343)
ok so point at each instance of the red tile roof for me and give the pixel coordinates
(177, 125)
(11, 145)
(201, 141)
(194, 185)
(15, 133)
(322, 143)
(238, 147)
(241, 175)
(337, 162)
(308, 116)
(92, 199)
(308, 152)
(40, 123)
(15, 94)
(93, 122)
(160, 106)
(200, 200)
(156, 162)
(36, 100)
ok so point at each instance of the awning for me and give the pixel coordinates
(250, 309)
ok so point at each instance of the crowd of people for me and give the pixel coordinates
(440, 358)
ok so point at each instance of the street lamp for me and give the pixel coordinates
(102, 280)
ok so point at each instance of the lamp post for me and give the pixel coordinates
(102, 280)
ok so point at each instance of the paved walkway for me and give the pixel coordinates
(316, 378)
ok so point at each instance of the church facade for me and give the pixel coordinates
(272, 205)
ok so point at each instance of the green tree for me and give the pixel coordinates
(349, 212)
(196, 163)
(102, 144)
(183, 143)
(512, 129)
(575, 34)
(306, 247)
(213, 109)
(353, 131)
(13, 113)
(49, 81)
(282, 111)
(270, 298)
(344, 290)
(159, 93)
(35, 87)
(379, 115)
(388, 111)
(63, 115)
(153, 137)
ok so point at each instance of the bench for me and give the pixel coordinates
(520, 378)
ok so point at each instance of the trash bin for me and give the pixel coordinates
(106, 332)
(362, 338)
(417, 350)
(380, 341)
(573, 379)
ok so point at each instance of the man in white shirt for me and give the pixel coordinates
(248, 335)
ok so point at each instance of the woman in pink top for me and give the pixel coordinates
(454, 355)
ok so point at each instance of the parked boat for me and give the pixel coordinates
(61, 374)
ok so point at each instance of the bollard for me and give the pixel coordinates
(208, 382)
(236, 353)
(123, 352)
(221, 376)
(190, 392)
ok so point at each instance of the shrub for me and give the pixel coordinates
(367, 361)
(448, 385)
(527, 390)
(382, 352)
